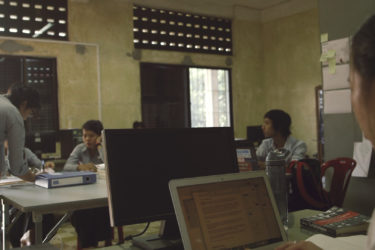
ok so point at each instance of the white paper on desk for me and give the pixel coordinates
(100, 166)
(10, 180)
(362, 155)
(338, 80)
(340, 243)
(340, 46)
(337, 101)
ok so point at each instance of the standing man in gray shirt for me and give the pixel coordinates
(14, 109)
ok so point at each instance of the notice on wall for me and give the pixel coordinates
(337, 101)
(338, 80)
(336, 48)
(362, 155)
(324, 37)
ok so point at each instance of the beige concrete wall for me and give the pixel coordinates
(292, 71)
(274, 65)
(76, 72)
(110, 26)
(247, 77)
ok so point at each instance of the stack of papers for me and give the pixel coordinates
(339, 243)
(8, 180)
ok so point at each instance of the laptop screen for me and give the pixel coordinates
(235, 214)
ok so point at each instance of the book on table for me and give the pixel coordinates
(337, 221)
(63, 179)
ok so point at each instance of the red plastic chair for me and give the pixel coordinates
(342, 171)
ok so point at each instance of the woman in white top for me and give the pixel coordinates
(362, 83)
(276, 129)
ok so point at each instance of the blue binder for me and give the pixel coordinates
(63, 179)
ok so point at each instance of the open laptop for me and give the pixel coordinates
(231, 211)
(246, 155)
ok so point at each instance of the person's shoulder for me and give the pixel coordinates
(267, 141)
(6, 105)
(8, 111)
(296, 142)
(28, 151)
(80, 147)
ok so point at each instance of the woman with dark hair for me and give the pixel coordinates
(276, 129)
(362, 83)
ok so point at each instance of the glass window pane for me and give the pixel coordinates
(209, 97)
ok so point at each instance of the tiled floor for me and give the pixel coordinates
(66, 237)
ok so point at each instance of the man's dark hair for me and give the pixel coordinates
(280, 121)
(363, 50)
(21, 93)
(95, 126)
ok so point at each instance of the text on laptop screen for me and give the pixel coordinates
(229, 215)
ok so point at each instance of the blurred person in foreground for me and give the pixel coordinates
(362, 84)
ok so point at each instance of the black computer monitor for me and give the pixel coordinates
(41, 143)
(255, 134)
(69, 138)
(140, 163)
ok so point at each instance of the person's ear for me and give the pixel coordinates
(99, 140)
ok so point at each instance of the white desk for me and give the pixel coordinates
(39, 201)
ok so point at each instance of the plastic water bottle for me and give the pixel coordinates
(275, 169)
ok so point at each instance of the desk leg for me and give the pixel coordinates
(38, 219)
(56, 227)
(4, 223)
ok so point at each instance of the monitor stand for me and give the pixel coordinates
(168, 239)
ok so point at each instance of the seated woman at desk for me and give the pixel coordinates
(276, 129)
(91, 225)
(362, 83)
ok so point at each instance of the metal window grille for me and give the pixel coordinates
(34, 19)
(179, 31)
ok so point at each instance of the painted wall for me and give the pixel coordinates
(76, 71)
(292, 71)
(274, 65)
(110, 26)
(247, 77)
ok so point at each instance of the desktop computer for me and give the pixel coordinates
(140, 164)
(255, 134)
(41, 143)
(69, 138)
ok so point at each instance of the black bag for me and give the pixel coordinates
(305, 186)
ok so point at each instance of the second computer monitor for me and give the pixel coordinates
(140, 164)
(255, 134)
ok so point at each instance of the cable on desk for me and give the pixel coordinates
(130, 237)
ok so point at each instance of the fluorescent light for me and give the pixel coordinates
(42, 30)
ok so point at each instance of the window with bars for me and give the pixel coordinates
(175, 96)
(209, 97)
(39, 73)
(178, 31)
(34, 19)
